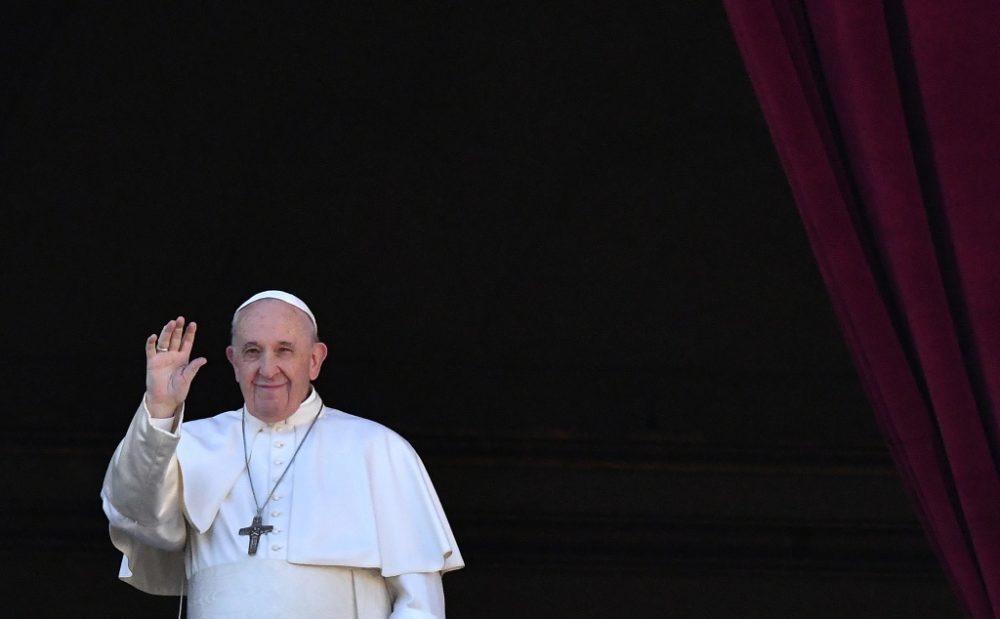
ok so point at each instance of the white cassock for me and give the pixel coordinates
(358, 530)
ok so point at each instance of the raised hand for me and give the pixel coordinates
(169, 368)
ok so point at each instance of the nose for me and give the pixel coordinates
(268, 368)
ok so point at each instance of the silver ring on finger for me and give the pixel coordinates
(159, 349)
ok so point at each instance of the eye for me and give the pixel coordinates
(251, 352)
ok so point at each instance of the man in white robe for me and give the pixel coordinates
(283, 508)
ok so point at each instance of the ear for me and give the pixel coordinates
(316, 359)
(231, 355)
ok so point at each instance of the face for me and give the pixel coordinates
(275, 358)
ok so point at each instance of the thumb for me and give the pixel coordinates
(191, 369)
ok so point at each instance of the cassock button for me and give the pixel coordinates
(279, 461)
(276, 497)
(276, 547)
(275, 513)
(279, 444)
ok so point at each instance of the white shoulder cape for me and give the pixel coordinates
(362, 499)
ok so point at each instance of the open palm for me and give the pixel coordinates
(169, 368)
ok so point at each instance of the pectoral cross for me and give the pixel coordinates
(255, 530)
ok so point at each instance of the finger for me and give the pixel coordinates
(187, 342)
(151, 346)
(163, 341)
(177, 334)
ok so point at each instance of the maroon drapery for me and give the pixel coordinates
(886, 118)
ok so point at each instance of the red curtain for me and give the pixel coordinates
(886, 118)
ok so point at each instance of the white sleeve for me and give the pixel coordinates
(141, 492)
(416, 596)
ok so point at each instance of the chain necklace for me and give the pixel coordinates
(256, 529)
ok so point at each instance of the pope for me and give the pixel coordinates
(284, 507)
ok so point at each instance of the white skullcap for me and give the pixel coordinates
(285, 297)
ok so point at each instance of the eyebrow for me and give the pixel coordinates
(281, 343)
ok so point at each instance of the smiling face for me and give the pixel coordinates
(275, 357)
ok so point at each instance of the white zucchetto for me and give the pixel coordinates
(280, 295)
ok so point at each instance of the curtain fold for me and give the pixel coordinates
(884, 116)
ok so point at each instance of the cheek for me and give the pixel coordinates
(244, 372)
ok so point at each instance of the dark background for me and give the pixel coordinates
(549, 243)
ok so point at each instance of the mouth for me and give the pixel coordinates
(269, 386)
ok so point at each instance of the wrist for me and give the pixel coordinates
(160, 410)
